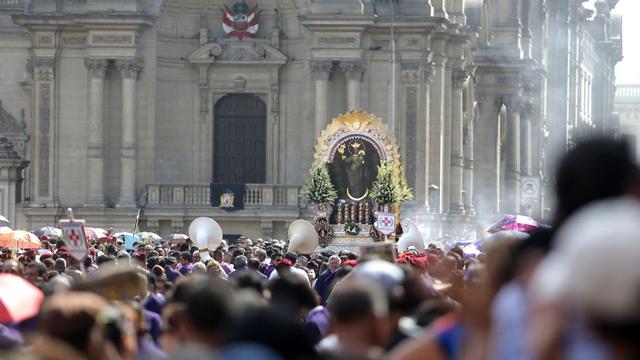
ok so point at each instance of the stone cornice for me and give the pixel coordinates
(113, 20)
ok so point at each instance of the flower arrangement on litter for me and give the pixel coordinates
(351, 228)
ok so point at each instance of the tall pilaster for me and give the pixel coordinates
(445, 143)
(467, 178)
(436, 119)
(95, 154)
(422, 139)
(353, 71)
(514, 108)
(410, 80)
(129, 68)
(321, 71)
(459, 78)
(44, 130)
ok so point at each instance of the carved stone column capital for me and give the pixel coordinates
(43, 69)
(458, 78)
(321, 69)
(410, 73)
(353, 69)
(130, 68)
(514, 104)
(97, 67)
(439, 59)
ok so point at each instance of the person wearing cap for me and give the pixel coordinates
(289, 267)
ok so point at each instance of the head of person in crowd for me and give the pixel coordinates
(67, 323)
(197, 314)
(359, 311)
(594, 169)
(334, 263)
(292, 297)
(240, 263)
(185, 258)
(196, 256)
(61, 265)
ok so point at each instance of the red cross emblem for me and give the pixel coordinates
(386, 222)
(74, 237)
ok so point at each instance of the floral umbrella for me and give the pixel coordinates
(176, 238)
(50, 232)
(520, 223)
(20, 239)
(92, 233)
(147, 235)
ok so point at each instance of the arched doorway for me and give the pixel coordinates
(239, 140)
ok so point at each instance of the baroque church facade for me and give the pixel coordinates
(113, 106)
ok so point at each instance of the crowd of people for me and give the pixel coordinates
(568, 292)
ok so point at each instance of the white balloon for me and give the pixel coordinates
(206, 234)
(302, 237)
(411, 237)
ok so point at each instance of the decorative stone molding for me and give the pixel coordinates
(129, 68)
(275, 100)
(439, 59)
(353, 69)
(96, 67)
(428, 72)
(514, 104)
(233, 53)
(459, 77)
(321, 69)
(410, 73)
(42, 69)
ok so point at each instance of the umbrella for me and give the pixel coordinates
(4, 221)
(176, 238)
(122, 234)
(507, 234)
(516, 223)
(19, 299)
(4, 229)
(50, 232)
(94, 233)
(19, 238)
(146, 235)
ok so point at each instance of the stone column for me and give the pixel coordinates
(129, 68)
(467, 180)
(435, 131)
(459, 78)
(43, 134)
(321, 71)
(445, 143)
(353, 71)
(422, 139)
(514, 108)
(527, 139)
(95, 154)
(410, 80)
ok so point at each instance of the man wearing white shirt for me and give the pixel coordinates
(287, 265)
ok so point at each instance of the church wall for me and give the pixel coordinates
(113, 131)
(175, 118)
(72, 130)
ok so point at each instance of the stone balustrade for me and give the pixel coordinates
(257, 196)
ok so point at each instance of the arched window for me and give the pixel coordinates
(239, 140)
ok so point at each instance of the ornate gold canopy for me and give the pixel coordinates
(356, 124)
